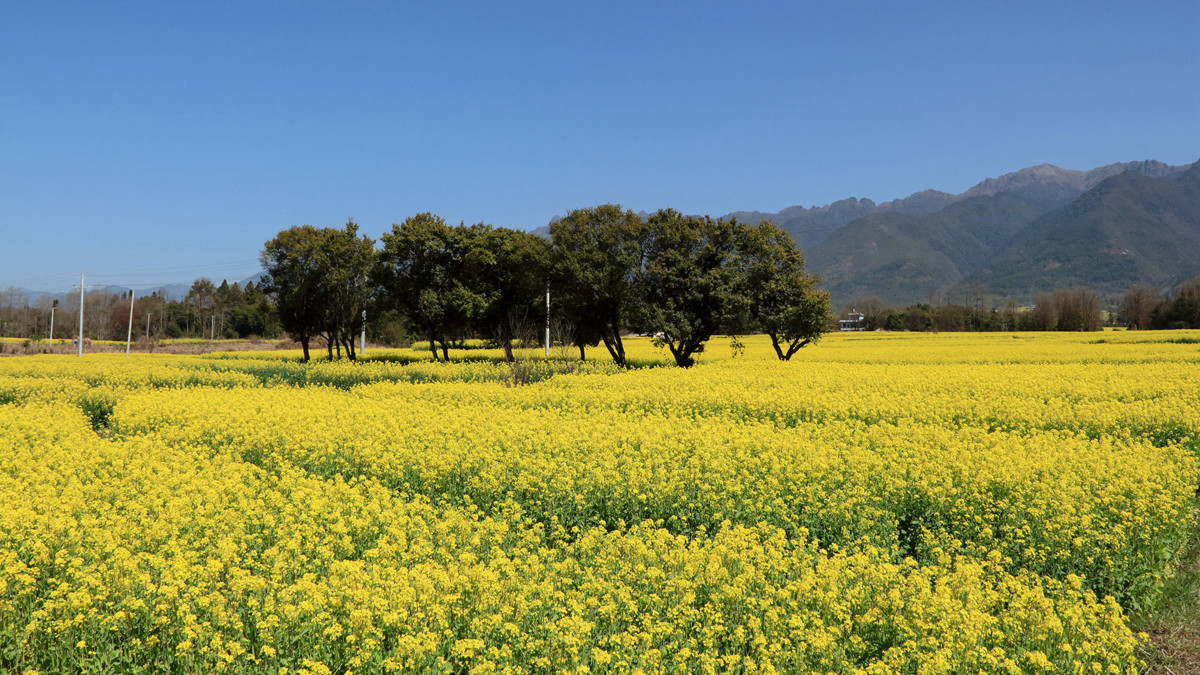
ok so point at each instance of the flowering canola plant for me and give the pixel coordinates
(881, 504)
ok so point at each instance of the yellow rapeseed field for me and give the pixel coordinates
(883, 503)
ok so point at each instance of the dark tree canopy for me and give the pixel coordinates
(345, 285)
(415, 274)
(512, 269)
(595, 256)
(294, 262)
(681, 278)
(317, 278)
(435, 276)
(685, 283)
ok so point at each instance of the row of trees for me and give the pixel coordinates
(1145, 308)
(1141, 308)
(1063, 309)
(681, 279)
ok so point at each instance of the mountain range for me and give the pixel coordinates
(1025, 232)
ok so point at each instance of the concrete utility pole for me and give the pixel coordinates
(212, 334)
(363, 346)
(547, 319)
(148, 325)
(129, 333)
(52, 307)
(81, 315)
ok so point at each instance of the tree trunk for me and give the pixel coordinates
(775, 344)
(615, 349)
(683, 355)
(612, 351)
(796, 346)
(433, 348)
(616, 331)
(581, 354)
(445, 350)
(504, 337)
(304, 344)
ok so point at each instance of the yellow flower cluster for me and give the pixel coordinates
(881, 504)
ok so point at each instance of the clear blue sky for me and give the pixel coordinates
(154, 142)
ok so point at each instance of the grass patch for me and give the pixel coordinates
(1173, 626)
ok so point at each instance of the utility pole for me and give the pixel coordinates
(81, 315)
(363, 346)
(547, 318)
(52, 307)
(129, 332)
(212, 334)
(148, 325)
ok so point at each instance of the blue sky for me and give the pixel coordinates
(154, 142)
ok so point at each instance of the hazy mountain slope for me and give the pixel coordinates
(810, 226)
(1044, 184)
(906, 258)
(888, 256)
(1128, 229)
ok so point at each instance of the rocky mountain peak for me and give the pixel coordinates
(1053, 176)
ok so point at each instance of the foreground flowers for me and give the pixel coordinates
(906, 504)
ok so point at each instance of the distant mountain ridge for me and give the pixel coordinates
(1081, 181)
(926, 246)
(1129, 228)
(809, 226)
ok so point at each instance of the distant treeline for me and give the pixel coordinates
(1141, 308)
(206, 311)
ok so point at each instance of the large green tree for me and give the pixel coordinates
(513, 276)
(780, 296)
(594, 259)
(345, 285)
(428, 272)
(684, 284)
(295, 263)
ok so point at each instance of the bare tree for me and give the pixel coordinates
(1138, 304)
(1078, 310)
(1045, 312)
